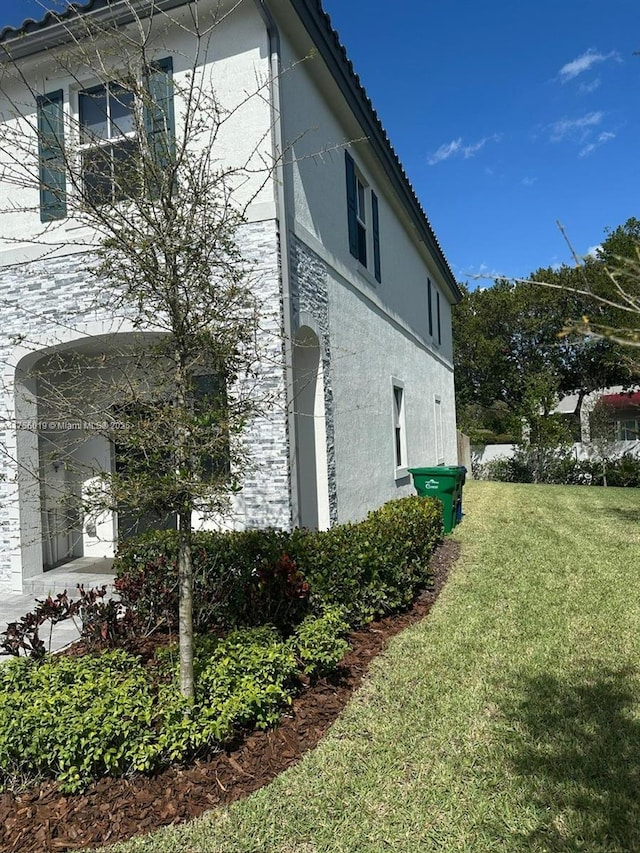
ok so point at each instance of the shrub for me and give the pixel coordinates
(318, 642)
(504, 469)
(373, 567)
(624, 471)
(562, 468)
(77, 718)
(243, 680)
(271, 577)
(240, 578)
(102, 621)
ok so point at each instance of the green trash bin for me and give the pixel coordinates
(444, 483)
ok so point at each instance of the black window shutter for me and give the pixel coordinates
(159, 116)
(53, 181)
(429, 307)
(352, 204)
(376, 237)
(438, 316)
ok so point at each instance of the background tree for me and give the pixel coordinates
(507, 335)
(161, 207)
(546, 432)
(603, 435)
(616, 295)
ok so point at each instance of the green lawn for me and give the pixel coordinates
(508, 720)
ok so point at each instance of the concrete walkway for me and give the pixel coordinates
(13, 605)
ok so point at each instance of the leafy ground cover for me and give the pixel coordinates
(509, 720)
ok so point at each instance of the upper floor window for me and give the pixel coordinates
(363, 210)
(438, 320)
(112, 124)
(52, 172)
(109, 143)
(361, 221)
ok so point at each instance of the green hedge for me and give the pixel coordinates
(240, 579)
(262, 577)
(374, 567)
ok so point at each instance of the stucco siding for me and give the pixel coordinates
(368, 352)
(318, 128)
(364, 350)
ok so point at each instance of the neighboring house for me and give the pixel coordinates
(622, 409)
(352, 276)
(617, 433)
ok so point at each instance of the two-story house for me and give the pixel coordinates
(352, 277)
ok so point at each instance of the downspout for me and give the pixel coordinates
(283, 227)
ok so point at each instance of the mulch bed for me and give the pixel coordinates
(43, 819)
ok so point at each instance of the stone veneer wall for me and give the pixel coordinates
(310, 297)
(46, 300)
(266, 494)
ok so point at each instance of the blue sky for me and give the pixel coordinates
(507, 117)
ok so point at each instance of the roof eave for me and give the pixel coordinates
(54, 29)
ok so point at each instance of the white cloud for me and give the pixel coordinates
(559, 130)
(445, 151)
(594, 251)
(587, 88)
(528, 182)
(603, 137)
(584, 63)
(456, 147)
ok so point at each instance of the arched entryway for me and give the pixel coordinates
(65, 399)
(310, 430)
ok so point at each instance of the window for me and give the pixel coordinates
(210, 392)
(110, 117)
(627, 430)
(375, 216)
(53, 200)
(430, 299)
(109, 144)
(363, 209)
(399, 431)
(361, 221)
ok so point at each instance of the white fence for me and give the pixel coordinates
(481, 454)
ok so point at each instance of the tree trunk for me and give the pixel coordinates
(185, 614)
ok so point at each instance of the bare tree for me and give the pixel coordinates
(144, 170)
